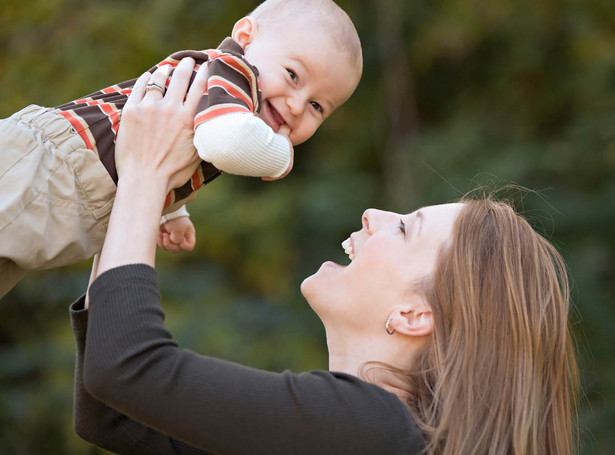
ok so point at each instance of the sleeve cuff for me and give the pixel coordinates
(182, 211)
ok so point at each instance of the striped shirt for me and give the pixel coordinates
(232, 87)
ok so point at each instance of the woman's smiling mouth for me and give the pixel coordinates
(348, 248)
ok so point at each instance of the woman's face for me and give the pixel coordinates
(389, 256)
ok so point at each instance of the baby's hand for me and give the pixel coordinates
(177, 234)
(284, 131)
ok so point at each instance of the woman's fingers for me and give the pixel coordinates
(151, 87)
(156, 86)
(197, 89)
(138, 90)
(156, 131)
(180, 81)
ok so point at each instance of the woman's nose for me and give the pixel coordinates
(369, 220)
(373, 219)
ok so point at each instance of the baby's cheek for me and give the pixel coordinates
(299, 136)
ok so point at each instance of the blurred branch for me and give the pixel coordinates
(400, 108)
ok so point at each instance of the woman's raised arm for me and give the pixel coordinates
(154, 153)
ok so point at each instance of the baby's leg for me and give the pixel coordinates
(57, 195)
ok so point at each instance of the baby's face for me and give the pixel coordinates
(303, 78)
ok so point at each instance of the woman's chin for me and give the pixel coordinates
(306, 287)
(318, 282)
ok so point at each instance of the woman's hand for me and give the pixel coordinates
(156, 131)
(154, 153)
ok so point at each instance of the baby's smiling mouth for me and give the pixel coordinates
(275, 117)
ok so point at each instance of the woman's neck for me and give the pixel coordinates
(346, 363)
(374, 359)
(374, 372)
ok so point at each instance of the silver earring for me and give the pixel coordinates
(389, 330)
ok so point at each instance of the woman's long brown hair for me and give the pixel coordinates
(499, 376)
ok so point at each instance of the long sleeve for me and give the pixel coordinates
(102, 425)
(241, 143)
(182, 211)
(227, 132)
(133, 365)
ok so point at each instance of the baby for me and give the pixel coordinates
(286, 67)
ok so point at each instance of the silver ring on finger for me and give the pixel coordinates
(152, 85)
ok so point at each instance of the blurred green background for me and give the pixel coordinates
(455, 94)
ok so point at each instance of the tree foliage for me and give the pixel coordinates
(455, 94)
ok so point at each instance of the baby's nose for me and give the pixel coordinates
(296, 103)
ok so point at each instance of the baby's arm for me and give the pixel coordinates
(241, 143)
(228, 134)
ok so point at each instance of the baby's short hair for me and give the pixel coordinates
(326, 13)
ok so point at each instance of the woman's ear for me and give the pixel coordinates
(244, 31)
(413, 321)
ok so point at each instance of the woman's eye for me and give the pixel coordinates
(292, 75)
(316, 106)
(402, 227)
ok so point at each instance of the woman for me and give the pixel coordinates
(447, 332)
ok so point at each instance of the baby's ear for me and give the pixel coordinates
(244, 31)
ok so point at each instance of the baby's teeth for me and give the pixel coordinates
(351, 256)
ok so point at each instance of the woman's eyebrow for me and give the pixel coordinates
(419, 220)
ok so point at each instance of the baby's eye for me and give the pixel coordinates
(402, 227)
(292, 75)
(316, 106)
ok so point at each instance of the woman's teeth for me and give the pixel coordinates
(348, 248)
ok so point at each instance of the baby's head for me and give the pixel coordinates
(309, 58)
